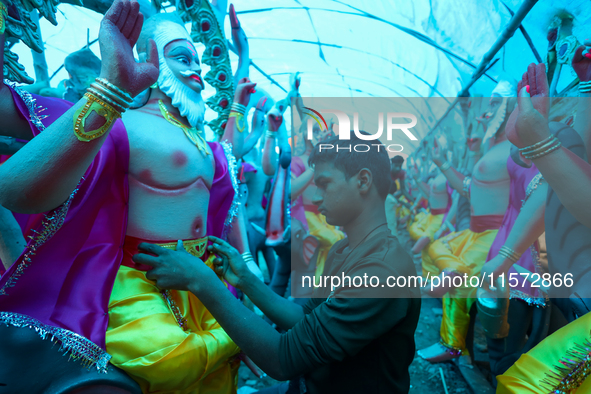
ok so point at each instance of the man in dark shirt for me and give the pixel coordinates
(351, 338)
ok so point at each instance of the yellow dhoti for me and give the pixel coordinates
(427, 227)
(326, 234)
(558, 364)
(146, 340)
(463, 253)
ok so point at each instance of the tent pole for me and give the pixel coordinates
(507, 33)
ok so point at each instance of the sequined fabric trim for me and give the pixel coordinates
(30, 103)
(233, 170)
(51, 223)
(72, 344)
(176, 312)
(540, 302)
(571, 371)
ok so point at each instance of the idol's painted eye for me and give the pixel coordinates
(184, 60)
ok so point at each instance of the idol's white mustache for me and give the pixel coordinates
(189, 73)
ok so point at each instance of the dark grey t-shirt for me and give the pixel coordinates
(357, 345)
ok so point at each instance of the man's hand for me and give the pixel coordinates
(173, 269)
(243, 91)
(519, 129)
(119, 32)
(582, 61)
(229, 262)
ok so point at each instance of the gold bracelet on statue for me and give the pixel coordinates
(237, 107)
(271, 134)
(3, 14)
(115, 98)
(509, 253)
(585, 87)
(541, 148)
(445, 166)
(124, 95)
(473, 153)
(246, 256)
(93, 104)
(106, 99)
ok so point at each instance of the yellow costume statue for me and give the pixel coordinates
(427, 227)
(462, 253)
(559, 364)
(167, 342)
(326, 234)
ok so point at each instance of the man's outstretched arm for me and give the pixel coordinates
(50, 166)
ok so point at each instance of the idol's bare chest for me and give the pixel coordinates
(163, 157)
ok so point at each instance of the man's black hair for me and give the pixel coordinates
(397, 159)
(350, 163)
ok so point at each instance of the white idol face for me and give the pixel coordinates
(183, 61)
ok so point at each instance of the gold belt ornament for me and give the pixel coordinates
(195, 247)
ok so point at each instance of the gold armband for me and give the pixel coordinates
(509, 253)
(99, 106)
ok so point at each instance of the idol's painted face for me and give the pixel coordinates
(336, 196)
(182, 59)
(493, 107)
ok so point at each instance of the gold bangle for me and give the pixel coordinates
(122, 94)
(237, 107)
(271, 134)
(445, 166)
(3, 14)
(103, 109)
(115, 98)
(106, 99)
(246, 256)
(509, 253)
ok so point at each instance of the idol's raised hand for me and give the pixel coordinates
(582, 61)
(119, 32)
(534, 84)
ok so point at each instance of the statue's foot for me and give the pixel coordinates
(438, 353)
(420, 245)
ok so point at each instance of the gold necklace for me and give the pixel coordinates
(192, 133)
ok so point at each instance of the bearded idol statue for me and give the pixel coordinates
(98, 179)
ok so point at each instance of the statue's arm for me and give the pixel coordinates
(50, 166)
(12, 241)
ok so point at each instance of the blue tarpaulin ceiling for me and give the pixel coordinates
(358, 48)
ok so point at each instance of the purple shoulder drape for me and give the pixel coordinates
(65, 276)
(520, 179)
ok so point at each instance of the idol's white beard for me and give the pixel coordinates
(189, 103)
(495, 123)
